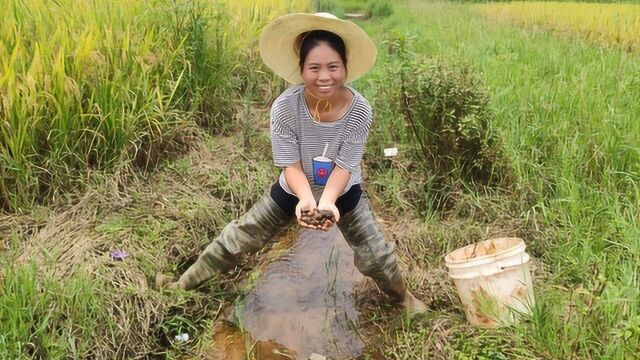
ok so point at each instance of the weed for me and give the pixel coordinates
(379, 8)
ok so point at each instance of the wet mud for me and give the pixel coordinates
(232, 344)
(303, 304)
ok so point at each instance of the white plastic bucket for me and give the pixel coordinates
(493, 280)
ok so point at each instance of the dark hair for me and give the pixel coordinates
(310, 39)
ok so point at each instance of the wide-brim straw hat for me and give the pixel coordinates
(279, 44)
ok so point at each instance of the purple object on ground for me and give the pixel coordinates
(119, 255)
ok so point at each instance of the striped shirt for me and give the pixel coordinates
(295, 136)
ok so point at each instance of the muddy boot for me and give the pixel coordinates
(375, 257)
(411, 304)
(250, 233)
(167, 282)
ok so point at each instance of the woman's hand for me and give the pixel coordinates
(327, 205)
(305, 204)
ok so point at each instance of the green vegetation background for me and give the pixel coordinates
(159, 151)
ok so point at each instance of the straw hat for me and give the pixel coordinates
(280, 50)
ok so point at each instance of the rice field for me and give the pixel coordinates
(616, 25)
(566, 110)
(90, 85)
(140, 126)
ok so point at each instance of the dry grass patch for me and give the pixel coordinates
(163, 221)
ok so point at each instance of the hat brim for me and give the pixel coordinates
(279, 50)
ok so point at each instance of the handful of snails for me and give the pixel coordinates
(317, 217)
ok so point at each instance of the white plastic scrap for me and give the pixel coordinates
(389, 152)
(182, 337)
(315, 356)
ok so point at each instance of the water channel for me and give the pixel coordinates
(305, 301)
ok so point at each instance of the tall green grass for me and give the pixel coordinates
(46, 319)
(90, 85)
(85, 85)
(566, 112)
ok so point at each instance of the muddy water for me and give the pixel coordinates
(305, 300)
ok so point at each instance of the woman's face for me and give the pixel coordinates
(323, 72)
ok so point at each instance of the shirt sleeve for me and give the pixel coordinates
(353, 146)
(284, 140)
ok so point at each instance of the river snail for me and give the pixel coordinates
(317, 217)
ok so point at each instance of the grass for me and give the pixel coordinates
(564, 109)
(64, 298)
(88, 86)
(76, 97)
(614, 25)
(570, 135)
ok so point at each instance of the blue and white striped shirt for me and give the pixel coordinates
(295, 136)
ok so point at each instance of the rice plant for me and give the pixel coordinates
(615, 25)
(88, 86)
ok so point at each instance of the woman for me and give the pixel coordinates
(318, 131)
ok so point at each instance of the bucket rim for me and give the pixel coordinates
(518, 247)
